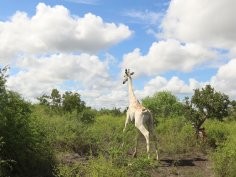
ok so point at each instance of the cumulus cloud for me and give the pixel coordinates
(209, 23)
(225, 79)
(40, 75)
(166, 56)
(54, 29)
(174, 85)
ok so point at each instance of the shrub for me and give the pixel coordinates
(140, 167)
(104, 167)
(217, 132)
(72, 170)
(24, 143)
(87, 116)
(5, 165)
(224, 158)
(175, 136)
(163, 104)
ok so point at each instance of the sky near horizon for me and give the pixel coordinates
(85, 45)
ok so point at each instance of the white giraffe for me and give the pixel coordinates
(139, 115)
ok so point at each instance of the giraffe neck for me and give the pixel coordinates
(132, 98)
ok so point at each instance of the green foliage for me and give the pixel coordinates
(5, 165)
(232, 110)
(22, 142)
(217, 132)
(175, 136)
(3, 79)
(140, 167)
(224, 158)
(204, 104)
(163, 104)
(23, 145)
(209, 103)
(67, 102)
(71, 101)
(116, 112)
(87, 116)
(104, 167)
(56, 99)
(44, 100)
(73, 170)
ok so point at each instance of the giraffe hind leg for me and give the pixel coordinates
(145, 133)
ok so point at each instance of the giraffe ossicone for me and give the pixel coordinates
(141, 116)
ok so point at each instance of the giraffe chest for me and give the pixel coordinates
(133, 113)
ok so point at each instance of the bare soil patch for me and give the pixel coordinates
(185, 165)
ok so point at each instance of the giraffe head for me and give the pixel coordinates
(127, 75)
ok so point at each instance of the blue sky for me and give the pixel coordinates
(85, 45)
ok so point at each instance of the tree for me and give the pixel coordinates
(163, 104)
(204, 104)
(71, 101)
(19, 139)
(44, 100)
(56, 99)
(232, 110)
(4, 165)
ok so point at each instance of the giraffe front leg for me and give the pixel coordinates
(136, 143)
(126, 123)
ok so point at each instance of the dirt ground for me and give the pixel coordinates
(187, 165)
(193, 164)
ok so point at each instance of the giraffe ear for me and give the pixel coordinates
(132, 73)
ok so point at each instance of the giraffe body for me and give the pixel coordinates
(140, 116)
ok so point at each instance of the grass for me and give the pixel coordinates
(100, 153)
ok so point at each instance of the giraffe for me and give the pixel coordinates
(140, 116)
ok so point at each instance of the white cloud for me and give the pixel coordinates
(225, 79)
(89, 2)
(54, 29)
(166, 56)
(40, 75)
(175, 85)
(144, 17)
(209, 23)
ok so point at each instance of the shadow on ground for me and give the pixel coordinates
(181, 162)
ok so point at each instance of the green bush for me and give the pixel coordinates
(23, 142)
(104, 167)
(175, 136)
(87, 116)
(224, 158)
(140, 167)
(72, 170)
(5, 165)
(217, 132)
(163, 104)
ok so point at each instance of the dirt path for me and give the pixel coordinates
(192, 165)
(187, 165)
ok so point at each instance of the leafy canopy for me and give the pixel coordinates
(163, 104)
(206, 103)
